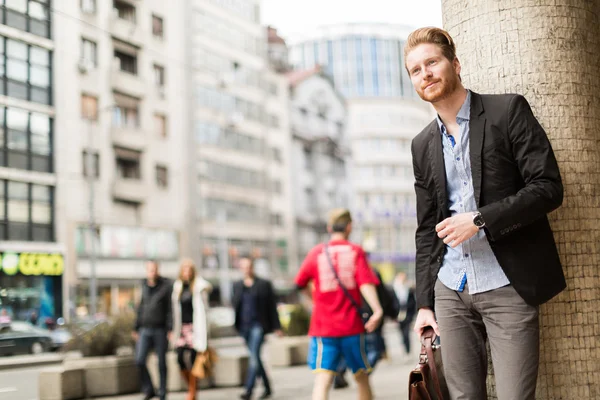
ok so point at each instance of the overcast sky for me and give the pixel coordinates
(295, 18)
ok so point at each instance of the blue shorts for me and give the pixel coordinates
(324, 353)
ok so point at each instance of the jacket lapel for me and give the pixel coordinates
(436, 156)
(476, 136)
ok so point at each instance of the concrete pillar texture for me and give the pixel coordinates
(549, 51)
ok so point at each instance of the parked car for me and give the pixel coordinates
(23, 338)
(60, 337)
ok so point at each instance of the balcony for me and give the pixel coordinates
(125, 82)
(130, 190)
(126, 31)
(130, 138)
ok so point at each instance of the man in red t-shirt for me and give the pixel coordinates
(336, 327)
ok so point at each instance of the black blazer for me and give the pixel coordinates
(266, 306)
(516, 182)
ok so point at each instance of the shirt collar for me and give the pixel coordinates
(464, 113)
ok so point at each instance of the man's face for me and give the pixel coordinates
(433, 75)
(151, 271)
(245, 265)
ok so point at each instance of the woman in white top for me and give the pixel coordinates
(190, 322)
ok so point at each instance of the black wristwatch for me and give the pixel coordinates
(478, 220)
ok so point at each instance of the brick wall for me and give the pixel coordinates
(549, 51)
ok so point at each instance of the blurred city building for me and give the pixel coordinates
(319, 154)
(31, 257)
(120, 135)
(365, 62)
(241, 142)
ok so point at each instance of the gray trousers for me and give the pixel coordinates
(512, 328)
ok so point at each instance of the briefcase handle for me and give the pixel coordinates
(426, 357)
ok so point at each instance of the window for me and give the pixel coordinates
(126, 62)
(309, 193)
(273, 121)
(277, 155)
(26, 15)
(157, 27)
(29, 215)
(125, 11)
(128, 163)
(88, 52)
(212, 134)
(160, 122)
(276, 219)
(89, 107)
(236, 211)
(159, 75)
(91, 158)
(125, 114)
(233, 175)
(276, 186)
(25, 140)
(308, 164)
(25, 71)
(162, 176)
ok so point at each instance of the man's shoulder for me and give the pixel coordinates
(423, 136)
(498, 103)
(315, 250)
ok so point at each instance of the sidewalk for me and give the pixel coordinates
(389, 381)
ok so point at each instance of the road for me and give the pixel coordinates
(19, 384)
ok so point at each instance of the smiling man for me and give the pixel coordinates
(485, 179)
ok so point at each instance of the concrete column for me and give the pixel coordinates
(549, 51)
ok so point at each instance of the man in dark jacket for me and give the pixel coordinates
(485, 179)
(407, 306)
(153, 328)
(255, 316)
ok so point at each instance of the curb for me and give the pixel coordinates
(30, 361)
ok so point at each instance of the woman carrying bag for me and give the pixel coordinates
(190, 322)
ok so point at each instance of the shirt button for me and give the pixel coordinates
(465, 183)
(457, 158)
(466, 255)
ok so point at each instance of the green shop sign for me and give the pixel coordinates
(31, 264)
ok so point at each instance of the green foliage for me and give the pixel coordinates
(103, 338)
(299, 322)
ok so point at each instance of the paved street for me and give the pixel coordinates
(389, 380)
(19, 384)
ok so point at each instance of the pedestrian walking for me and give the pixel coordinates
(405, 295)
(255, 316)
(190, 320)
(153, 328)
(340, 274)
(485, 179)
(375, 342)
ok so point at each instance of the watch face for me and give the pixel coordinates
(478, 221)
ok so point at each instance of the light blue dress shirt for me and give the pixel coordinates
(472, 261)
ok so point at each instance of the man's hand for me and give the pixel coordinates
(425, 318)
(457, 229)
(278, 332)
(374, 322)
(169, 336)
(135, 335)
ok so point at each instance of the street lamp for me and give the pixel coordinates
(93, 289)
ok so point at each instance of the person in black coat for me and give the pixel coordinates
(407, 307)
(255, 316)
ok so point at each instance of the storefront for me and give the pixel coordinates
(121, 253)
(31, 282)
